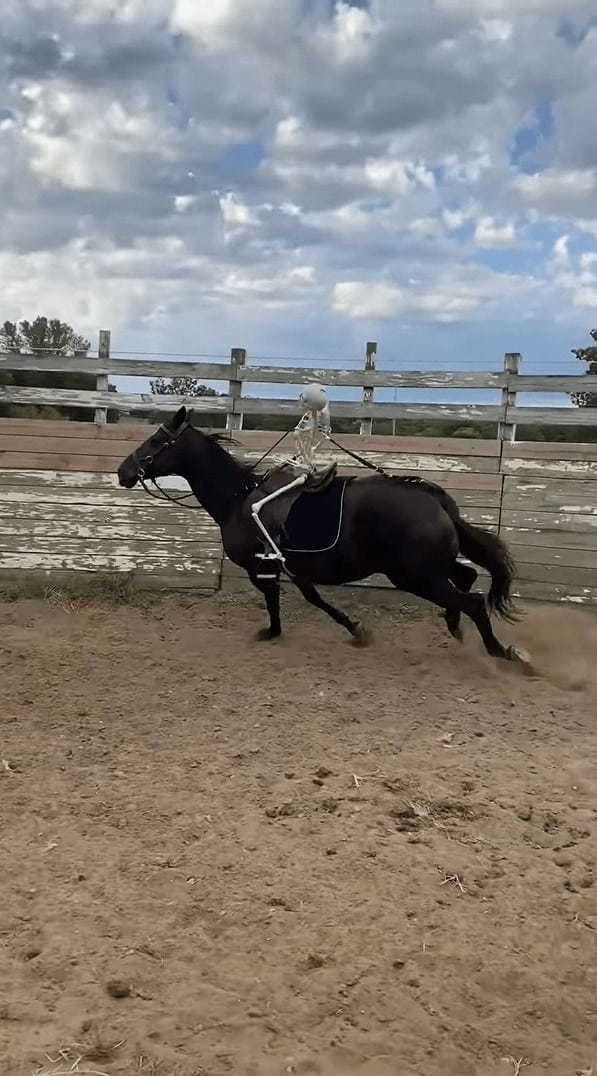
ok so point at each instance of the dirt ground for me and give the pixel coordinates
(297, 857)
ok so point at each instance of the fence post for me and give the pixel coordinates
(238, 359)
(506, 429)
(101, 381)
(370, 356)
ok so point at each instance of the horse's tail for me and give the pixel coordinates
(485, 549)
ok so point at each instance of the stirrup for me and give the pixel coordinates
(272, 565)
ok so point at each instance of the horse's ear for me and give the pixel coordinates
(179, 418)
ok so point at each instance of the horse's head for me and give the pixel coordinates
(158, 455)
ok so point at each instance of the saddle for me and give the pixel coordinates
(314, 520)
(318, 481)
(304, 521)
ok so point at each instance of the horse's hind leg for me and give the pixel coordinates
(464, 577)
(314, 598)
(442, 592)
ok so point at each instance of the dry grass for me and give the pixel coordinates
(80, 1059)
(119, 588)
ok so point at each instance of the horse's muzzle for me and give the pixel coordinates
(127, 474)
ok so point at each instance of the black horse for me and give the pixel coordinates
(408, 529)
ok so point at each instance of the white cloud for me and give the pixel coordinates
(350, 35)
(445, 299)
(235, 214)
(560, 191)
(273, 155)
(574, 275)
(490, 235)
(426, 227)
(184, 202)
(367, 299)
(280, 291)
(496, 30)
(561, 254)
(217, 23)
(397, 177)
(455, 219)
(81, 142)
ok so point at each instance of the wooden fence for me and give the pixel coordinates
(238, 373)
(62, 512)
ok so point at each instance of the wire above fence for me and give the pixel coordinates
(237, 373)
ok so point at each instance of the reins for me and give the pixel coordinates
(163, 495)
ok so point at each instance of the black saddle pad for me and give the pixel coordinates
(315, 519)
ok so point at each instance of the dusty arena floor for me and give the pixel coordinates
(223, 856)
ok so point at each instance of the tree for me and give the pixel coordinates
(185, 386)
(588, 355)
(44, 336)
(180, 386)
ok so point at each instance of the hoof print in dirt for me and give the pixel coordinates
(283, 810)
(330, 805)
(117, 988)
(406, 818)
(315, 961)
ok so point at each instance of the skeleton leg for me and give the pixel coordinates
(256, 509)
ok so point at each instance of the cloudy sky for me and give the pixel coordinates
(299, 176)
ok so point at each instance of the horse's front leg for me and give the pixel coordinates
(270, 588)
(359, 633)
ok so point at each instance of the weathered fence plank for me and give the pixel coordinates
(566, 593)
(342, 409)
(553, 416)
(548, 536)
(143, 549)
(115, 401)
(206, 571)
(551, 555)
(580, 523)
(301, 375)
(550, 494)
(70, 525)
(144, 519)
(558, 573)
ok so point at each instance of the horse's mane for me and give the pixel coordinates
(250, 473)
(253, 474)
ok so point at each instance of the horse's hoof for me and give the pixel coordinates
(266, 635)
(520, 657)
(361, 636)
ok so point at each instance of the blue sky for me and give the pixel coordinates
(298, 178)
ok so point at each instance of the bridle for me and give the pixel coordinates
(170, 439)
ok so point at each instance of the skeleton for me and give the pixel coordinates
(312, 429)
